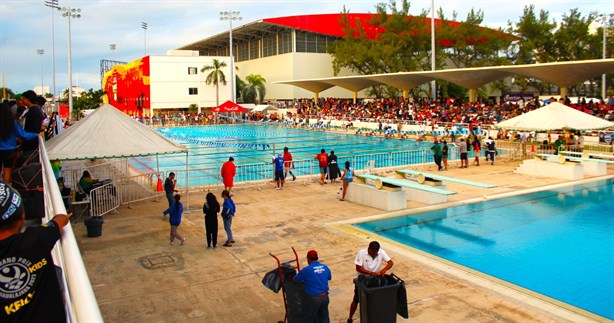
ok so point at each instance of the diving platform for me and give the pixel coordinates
(425, 178)
(591, 166)
(410, 190)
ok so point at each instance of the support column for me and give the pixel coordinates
(405, 94)
(563, 92)
(316, 95)
(355, 96)
(473, 95)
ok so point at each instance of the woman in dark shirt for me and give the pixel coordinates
(211, 209)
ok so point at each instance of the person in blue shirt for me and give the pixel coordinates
(228, 212)
(279, 171)
(315, 277)
(347, 178)
(10, 130)
(175, 211)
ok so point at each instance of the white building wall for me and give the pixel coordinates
(293, 66)
(170, 82)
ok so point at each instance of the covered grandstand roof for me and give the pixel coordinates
(562, 74)
(325, 24)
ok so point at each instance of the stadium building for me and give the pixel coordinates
(278, 49)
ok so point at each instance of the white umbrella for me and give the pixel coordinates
(555, 116)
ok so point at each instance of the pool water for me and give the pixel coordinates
(210, 146)
(559, 243)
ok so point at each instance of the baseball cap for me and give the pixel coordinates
(312, 254)
(11, 206)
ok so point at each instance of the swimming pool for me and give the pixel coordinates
(558, 242)
(210, 146)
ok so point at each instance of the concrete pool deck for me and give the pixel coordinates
(138, 277)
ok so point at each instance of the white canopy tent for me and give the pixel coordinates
(555, 116)
(109, 133)
(262, 108)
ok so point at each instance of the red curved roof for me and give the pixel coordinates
(330, 24)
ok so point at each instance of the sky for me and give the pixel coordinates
(26, 26)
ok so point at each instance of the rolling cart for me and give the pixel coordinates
(280, 270)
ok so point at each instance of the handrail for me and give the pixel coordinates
(79, 296)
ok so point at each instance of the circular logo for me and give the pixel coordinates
(14, 277)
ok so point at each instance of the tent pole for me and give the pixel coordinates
(187, 183)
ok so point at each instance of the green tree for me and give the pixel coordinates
(469, 44)
(255, 89)
(240, 87)
(536, 41)
(87, 100)
(215, 77)
(7, 93)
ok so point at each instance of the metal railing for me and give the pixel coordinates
(79, 298)
(104, 199)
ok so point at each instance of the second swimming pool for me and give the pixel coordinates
(559, 242)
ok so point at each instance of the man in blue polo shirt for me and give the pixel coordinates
(315, 276)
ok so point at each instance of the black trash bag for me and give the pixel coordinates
(402, 309)
(271, 280)
(295, 296)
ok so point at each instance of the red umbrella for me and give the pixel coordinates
(229, 106)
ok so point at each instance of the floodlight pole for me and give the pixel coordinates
(144, 26)
(53, 4)
(433, 82)
(70, 13)
(230, 16)
(41, 52)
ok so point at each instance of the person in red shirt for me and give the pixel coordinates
(288, 164)
(228, 174)
(322, 158)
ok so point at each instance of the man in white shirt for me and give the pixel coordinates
(368, 262)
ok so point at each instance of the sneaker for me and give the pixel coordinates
(215, 248)
(277, 188)
(293, 177)
(227, 244)
(209, 247)
(232, 241)
(182, 241)
(171, 243)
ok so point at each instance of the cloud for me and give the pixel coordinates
(25, 26)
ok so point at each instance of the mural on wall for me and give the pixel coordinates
(127, 87)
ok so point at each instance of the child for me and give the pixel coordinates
(30, 287)
(228, 212)
(175, 211)
(347, 178)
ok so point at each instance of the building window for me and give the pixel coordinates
(285, 42)
(242, 51)
(193, 91)
(254, 49)
(192, 70)
(270, 45)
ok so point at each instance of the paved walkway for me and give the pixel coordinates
(138, 277)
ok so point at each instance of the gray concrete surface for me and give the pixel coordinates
(138, 277)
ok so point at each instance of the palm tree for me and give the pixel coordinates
(215, 77)
(254, 88)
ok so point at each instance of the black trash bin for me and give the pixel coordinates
(94, 226)
(378, 303)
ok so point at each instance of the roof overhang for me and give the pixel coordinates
(562, 74)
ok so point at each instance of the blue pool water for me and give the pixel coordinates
(210, 146)
(559, 242)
